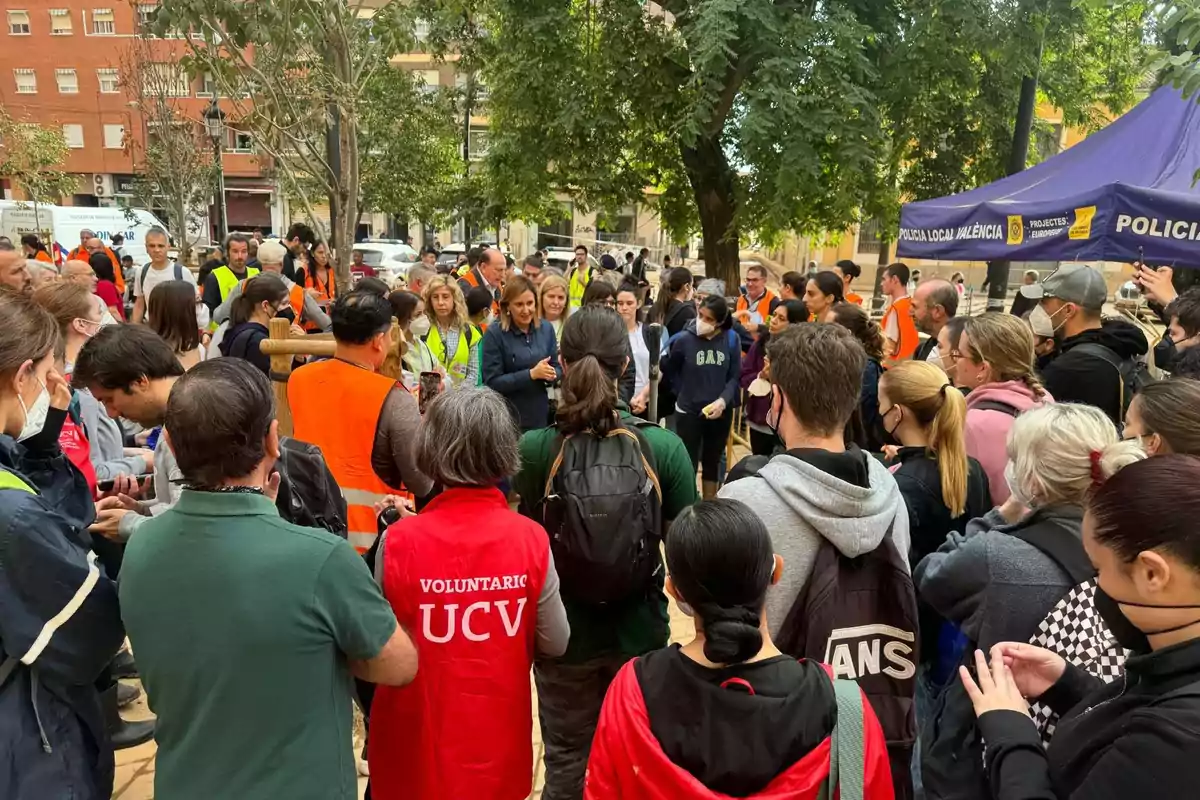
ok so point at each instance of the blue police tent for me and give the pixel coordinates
(1125, 193)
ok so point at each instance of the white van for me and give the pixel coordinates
(62, 224)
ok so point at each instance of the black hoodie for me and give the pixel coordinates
(731, 740)
(1080, 377)
(1136, 737)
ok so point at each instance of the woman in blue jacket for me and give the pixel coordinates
(61, 623)
(704, 365)
(520, 355)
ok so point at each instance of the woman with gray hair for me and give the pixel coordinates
(1000, 580)
(475, 584)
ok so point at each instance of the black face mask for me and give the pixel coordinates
(286, 313)
(1126, 634)
(1166, 354)
(889, 437)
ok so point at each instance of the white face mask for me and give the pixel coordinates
(1042, 321)
(420, 326)
(35, 415)
(704, 328)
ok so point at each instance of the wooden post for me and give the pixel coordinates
(281, 368)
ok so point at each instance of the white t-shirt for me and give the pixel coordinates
(641, 360)
(156, 276)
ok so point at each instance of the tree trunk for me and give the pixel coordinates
(712, 180)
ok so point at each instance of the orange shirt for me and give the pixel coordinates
(42, 255)
(851, 297)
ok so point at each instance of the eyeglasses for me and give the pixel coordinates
(957, 355)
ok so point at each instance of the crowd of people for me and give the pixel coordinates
(957, 562)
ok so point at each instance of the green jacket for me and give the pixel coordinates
(640, 625)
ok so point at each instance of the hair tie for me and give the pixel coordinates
(942, 391)
(1097, 472)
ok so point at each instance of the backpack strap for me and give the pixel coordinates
(178, 271)
(996, 405)
(1109, 356)
(1064, 550)
(7, 667)
(620, 430)
(141, 284)
(847, 759)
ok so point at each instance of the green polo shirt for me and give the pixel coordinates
(242, 625)
(640, 625)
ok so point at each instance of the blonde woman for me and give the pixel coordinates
(993, 360)
(452, 338)
(999, 581)
(552, 302)
(943, 487)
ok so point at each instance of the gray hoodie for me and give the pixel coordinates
(166, 490)
(801, 504)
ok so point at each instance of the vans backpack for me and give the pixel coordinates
(859, 615)
(602, 510)
(1074, 628)
(308, 493)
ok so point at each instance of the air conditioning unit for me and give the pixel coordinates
(102, 185)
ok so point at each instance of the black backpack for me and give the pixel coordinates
(308, 493)
(141, 284)
(1133, 372)
(603, 512)
(859, 616)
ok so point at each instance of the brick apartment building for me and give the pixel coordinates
(61, 66)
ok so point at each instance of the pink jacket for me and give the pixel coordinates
(987, 429)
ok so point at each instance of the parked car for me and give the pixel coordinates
(390, 258)
(563, 257)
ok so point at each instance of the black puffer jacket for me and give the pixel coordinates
(1136, 737)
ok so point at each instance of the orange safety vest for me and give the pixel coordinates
(79, 254)
(907, 345)
(346, 437)
(42, 255)
(851, 297)
(762, 307)
(327, 290)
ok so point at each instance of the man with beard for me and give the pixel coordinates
(933, 305)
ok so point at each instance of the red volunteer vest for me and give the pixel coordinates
(463, 578)
(78, 450)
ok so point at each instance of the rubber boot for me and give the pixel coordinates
(123, 666)
(123, 734)
(708, 489)
(127, 695)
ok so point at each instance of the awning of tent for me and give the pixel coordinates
(1122, 193)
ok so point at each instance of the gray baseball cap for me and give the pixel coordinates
(1080, 284)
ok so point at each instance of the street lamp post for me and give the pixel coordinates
(214, 122)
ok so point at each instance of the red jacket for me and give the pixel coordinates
(464, 577)
(627, 761)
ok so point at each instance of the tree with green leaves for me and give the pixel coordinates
(32, 157)
(295, 75)
(174, 164)
(766, 117)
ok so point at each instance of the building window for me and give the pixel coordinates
(114, 137)
(208, 86)
(145, 13)
(427, 79)
(479, 143)
(110, 81)
(170, 78)
(74, 136)
(18, 23)
(26, 81)
(240, 142)
(60, 22)
(421, 30)
(68, 81)
(103, 23)
(869, 240)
